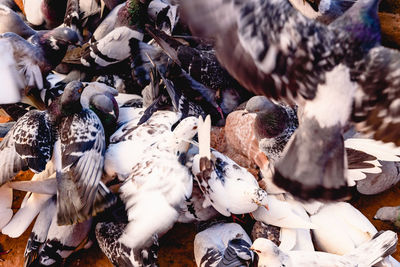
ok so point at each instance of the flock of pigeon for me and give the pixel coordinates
(118, 107)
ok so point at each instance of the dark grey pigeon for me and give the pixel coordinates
(281, 54)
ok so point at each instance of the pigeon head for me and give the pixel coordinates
(55, 43)
(64, 36)
(265, 248)
(70, 99)
(271, 119)
(260, 197)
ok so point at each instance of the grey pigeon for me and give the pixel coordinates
(223, 244)
(282, 54)
(71, 136)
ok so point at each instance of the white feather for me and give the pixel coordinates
(6, 197)
(341, 228)
(23, 218)
(338, 91)
(281, 214)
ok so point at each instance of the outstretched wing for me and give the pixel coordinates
(83, 147)
(268, 46)
(29, 144)
(377, 101)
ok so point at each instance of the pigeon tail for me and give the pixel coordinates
(313, 165)
(104, 199)
(69, 203)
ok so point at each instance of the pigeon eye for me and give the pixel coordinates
(80, 90)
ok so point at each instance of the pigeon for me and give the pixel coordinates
(36, 57)
(390, 214)
(266, 61)
(164, 15)
(228, 187)
(204, 67)
(103, 53)
(367, 254)
(72, 137)
(145, 192)
(189, 97)
(282, 214)
(108, 234)
(193, 209)
(107, 25)
(13, 80)
(342, 228)
(10, 21)
(223, 244)
(49, 243)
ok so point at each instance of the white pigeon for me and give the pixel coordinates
(228, 187)
(157, 186)
(133, 140)
(223, 244)
(365, 255)
(282, 214)
(341, 228)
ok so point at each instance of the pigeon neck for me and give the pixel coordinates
(57, 110)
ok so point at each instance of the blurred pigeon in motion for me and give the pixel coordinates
(367, 254)
(12, 80)
(146, 191)
(223, 244)
(228, 187)
(336, 70)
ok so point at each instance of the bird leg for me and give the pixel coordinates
(236, 219)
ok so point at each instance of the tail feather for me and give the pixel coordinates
(380, 246)
(69, 202)
(313, 165)
(23, 218)
(104, 199)
(39, 233)
(166, 42)
(204, 129)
